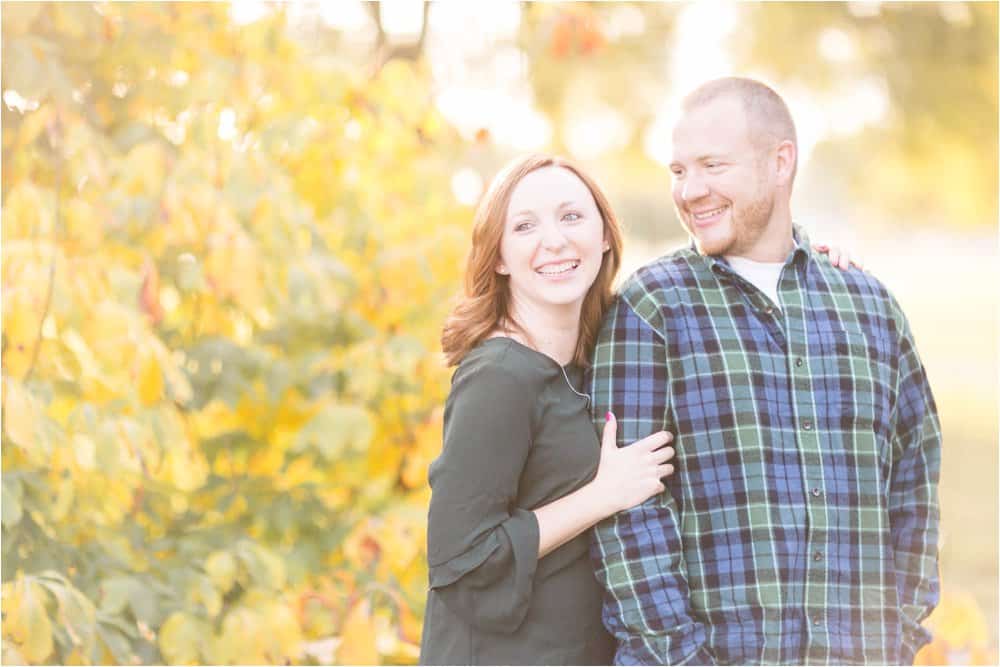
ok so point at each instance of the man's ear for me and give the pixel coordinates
(787, 157)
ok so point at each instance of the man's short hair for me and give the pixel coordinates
(768, 118)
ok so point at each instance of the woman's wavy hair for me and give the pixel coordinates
(484, 307)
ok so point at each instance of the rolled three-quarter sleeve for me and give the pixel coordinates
(483, 550)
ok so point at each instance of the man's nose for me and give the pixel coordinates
(694, 188)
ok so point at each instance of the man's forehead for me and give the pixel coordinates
(724, 107)
(710, 127)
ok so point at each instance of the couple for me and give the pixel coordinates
(765, 491)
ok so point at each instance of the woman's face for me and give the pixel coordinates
(553, 239)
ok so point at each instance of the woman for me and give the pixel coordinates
(522, 476)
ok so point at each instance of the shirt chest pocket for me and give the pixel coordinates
(850, 380)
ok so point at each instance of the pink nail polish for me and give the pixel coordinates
(608, 417)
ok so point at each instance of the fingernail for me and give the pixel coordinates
(608, 417)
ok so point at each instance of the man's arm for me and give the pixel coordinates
(637, 553)
(913, 502)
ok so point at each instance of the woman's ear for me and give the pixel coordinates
(502, 269)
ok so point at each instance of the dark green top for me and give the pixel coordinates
(516, 437)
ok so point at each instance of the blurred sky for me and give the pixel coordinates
(481, 80)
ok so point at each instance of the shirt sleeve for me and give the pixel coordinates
(482, 550)
(913, 503)
(637, 554)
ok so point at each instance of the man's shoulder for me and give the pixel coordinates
(863, 285)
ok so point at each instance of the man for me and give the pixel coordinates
(801, 525)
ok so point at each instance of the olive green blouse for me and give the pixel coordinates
(516, 437)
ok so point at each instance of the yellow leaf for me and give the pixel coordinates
(21, 413)
(37, 644)
(242, 637)
(10, 655)
(187, 471)
(75, 657)
(284, 635)
(145, 168)
(221, 569)
(179, 638)
(358, 637)
(150, 381)
(410, 627)
(85, 450)
(27, 212)
(83, 224)
(21, 326)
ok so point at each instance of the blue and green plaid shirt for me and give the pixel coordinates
(801, 524)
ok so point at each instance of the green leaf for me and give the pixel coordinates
(145, 604)
(114, 594)
(38, 644)
(78, 616)
(125, 627)
(209, 597)
(12, 494)
(117, 643)
(255, 569)
(337, 430)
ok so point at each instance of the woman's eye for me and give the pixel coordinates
(522, 226)
(572, 217)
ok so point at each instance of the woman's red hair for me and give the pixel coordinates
(484, 307)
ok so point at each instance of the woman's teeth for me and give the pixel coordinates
(555, 269)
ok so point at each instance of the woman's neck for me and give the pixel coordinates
(553, 331)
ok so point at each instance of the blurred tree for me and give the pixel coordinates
(930, 159)
(933, 157)
(224, 273)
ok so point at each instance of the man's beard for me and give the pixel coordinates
(749, 224)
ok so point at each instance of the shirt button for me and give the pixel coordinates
(807, 424)
(768, 310)
(818, 556)
(816, 491)
(798, 362)
(817, 622)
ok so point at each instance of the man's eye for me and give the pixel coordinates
(713, 165)
(677, 172)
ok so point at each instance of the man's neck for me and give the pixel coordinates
(774, 243)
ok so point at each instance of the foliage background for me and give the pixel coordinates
(231, 233)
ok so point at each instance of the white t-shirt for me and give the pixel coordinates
(764, 275)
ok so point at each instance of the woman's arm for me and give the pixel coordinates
(625, 477)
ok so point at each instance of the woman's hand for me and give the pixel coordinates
(631, 475)
(839, 257)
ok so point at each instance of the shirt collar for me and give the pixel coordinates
(800, 255)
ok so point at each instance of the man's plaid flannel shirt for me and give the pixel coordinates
(801, 524)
